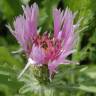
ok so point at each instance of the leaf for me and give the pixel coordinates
(5, 90)
(25, 1)
(8, 78)
(87, 88)
(6, 57)
(10, 8)
(91, 71)
(46, 14)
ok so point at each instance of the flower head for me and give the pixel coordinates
(43, 49)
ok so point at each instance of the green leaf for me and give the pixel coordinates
(8, 78)
(6, 57)
(25, 1)
(91, 71)
(87, 88)
(5, 90)
(46, 16)
(10, 8)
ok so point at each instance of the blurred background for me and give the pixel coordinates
(11, 64)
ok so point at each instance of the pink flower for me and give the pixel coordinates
(46, 50)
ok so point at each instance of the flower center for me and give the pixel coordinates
(51, 47)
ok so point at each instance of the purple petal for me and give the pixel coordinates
(58, 15)
(25, 27)
(37, 54)
(31, 15)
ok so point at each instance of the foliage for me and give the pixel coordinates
(71, 80)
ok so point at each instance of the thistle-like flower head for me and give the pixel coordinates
(45, 49)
